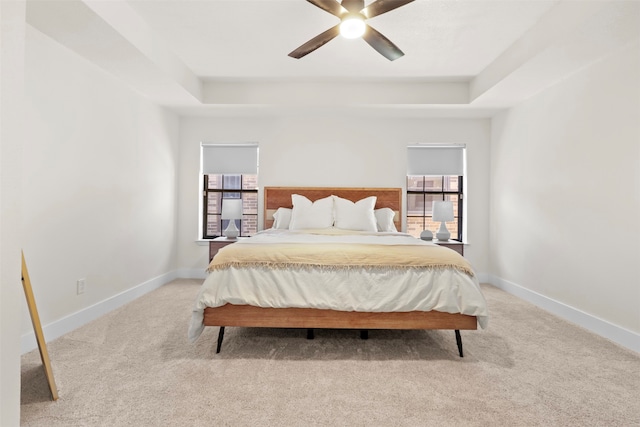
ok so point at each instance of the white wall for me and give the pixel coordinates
(12, 30)
(565, 193)
(99, 184)
(333, 148)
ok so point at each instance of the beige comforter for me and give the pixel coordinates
(339, 256)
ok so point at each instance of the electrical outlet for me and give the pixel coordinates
(80, 286)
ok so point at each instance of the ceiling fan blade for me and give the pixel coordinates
(379, 7)
(331, 6)
(316, 42)
(353, 6)
(383, 45)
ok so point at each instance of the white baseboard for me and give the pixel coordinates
(615, 333)
(73, 321)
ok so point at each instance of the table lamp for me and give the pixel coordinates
(231, 210)
(443, 212)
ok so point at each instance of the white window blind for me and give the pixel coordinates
(230, 159)
(438, 159)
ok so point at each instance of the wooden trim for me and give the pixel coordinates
(250, 316)
(280, 197)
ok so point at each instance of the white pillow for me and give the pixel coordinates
(307, 214)
(282, 218)
(355, 216)
(384, 218)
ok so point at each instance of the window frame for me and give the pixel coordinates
(235, 191)
(424, 192)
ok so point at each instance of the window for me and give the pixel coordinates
(422, 191)
(435, 173)
(229, 171)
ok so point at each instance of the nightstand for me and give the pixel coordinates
(218, 243)
(451, 244)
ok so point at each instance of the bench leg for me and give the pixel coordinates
(364, 334)
(309, 334)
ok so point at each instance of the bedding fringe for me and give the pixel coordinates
(324, 267)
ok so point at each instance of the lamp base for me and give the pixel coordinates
(443, 233)
(231, 232)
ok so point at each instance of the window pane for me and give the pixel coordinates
(215, 181)
(231, 195)
(453, 198)
(415, 182)
(232, 182)
(415, 204)
(213, 225)
(430, 198)
(214, 203)
(249, 182)
(250, 203)
(432, 183)
(450, 183)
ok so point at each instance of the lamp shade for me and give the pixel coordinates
(443, 211)
(231, 208)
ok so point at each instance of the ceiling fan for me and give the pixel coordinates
(352, 14)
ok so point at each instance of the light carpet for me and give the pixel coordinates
(135, 367)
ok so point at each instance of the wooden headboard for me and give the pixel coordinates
(280, 197)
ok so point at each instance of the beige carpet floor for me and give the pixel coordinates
(135, 367)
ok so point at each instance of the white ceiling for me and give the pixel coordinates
(252, 38)
(462, 57)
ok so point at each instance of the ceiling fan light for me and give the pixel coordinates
(352, 26)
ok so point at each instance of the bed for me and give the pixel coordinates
(358, 272)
